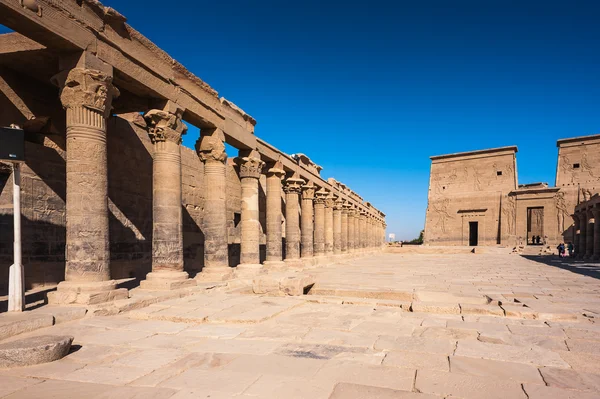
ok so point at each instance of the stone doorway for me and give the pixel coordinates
(535, 226)
(473, 233)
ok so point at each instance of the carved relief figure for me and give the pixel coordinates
(586, 194)
(443, 214)
(509, 211)
(567, 167)
(585, 164)
(562, 211)
(477, 180)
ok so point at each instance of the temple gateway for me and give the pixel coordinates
(475, 199)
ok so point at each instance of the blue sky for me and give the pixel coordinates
(370, 90)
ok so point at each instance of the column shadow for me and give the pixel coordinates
(590, 269)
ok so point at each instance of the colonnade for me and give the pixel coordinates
(319, 222)
(587, 230)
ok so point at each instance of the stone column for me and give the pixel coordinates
(363, 230)
(337, 227)
(319, 242)
(293, 186)
(345, 210)
(576, 234)
(307, 231)
(351, 214)
(583, 222)
(589, 245)
(165, 129)
(596, 214)
(356, 230)
(87, 95)
(274, 219)
(211, 151)
(329, 204)
(250, 166)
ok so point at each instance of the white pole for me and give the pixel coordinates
(16, 287)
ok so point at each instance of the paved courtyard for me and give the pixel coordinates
(385, 326)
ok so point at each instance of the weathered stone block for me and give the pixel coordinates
(34, 350)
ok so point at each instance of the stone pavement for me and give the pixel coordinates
(386, 326)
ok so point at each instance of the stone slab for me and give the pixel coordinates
(12, 324)
(34, 350)
(356, 391)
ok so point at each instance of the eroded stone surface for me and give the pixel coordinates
(34, 350)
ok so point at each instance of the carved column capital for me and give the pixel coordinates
(293, 185)
(250, 166)
(276, 170)
(211, 146)
(337, 205)
(87, 88)
(346, 207)
(330, 202)
(164, 126)
(308, 191)
(321, 196)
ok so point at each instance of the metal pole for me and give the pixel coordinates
(16, 287)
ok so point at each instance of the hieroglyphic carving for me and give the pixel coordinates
(163, 126)
(509, 211)
(87, 88)
(443, 214)
(562, 211)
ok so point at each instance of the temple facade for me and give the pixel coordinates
(475, 198)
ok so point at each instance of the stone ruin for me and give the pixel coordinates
(110, 193)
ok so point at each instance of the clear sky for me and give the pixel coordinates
(369, 90)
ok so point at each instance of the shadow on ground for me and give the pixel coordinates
(572, 265)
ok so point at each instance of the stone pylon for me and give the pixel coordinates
(165, 128)
(250, 166)
(87, 96)
(293, 187)
(274, 216)
(211, 150)
(319, 240)
(307, 226)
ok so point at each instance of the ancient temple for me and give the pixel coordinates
(475, 199)
(110, 193)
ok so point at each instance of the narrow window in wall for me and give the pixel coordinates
(575, 166)
(499, 173)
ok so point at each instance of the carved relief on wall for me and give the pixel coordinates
(509, 211)
(585, 164)
(586, 194)
(442, 214)
(562, 211)
(477, 182)
(567, 167)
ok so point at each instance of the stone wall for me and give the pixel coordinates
(578, 172)
(469, 187)
(130, 205)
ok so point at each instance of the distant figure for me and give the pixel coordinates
(561, 250)
(570, 249)
(401, 244)
(533, 240)
(537, 240)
